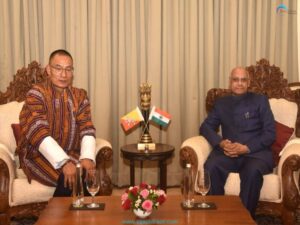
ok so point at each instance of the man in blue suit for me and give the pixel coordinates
(248, 131)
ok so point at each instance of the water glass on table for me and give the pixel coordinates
(202, 186)
(93, 185)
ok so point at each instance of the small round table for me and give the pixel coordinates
(161, 153)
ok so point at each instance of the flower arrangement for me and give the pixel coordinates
(144, 197)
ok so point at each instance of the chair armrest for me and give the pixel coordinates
(104, 154)
(7, 175)
(195, 150)
(291, 148)
(288, 167)
(103, 150)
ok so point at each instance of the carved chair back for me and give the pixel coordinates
(22, 82)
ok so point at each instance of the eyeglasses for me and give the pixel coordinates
(59, 69)
(237, 79)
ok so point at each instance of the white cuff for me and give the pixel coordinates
(88, 148)
(53, 152)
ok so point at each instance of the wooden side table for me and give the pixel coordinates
(161, 153)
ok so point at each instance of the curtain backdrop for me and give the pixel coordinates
(181, 47)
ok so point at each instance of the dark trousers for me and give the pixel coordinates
(62, 191)
(251, 171)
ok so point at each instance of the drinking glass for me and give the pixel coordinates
(93, 185)
(202, 186)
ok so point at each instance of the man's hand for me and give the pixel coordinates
(69, 171)
(87, 164)
(233, 149)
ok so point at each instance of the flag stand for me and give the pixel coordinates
(136, 116)
(145, 142)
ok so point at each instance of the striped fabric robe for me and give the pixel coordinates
(64, 116)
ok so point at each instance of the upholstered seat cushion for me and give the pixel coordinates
(284, 111)
(17, 132)
(22, 192)
(9, 114)
(270, 190)
(283, 135)
(25, 193)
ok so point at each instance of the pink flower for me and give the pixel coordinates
(124, 197)
(160, 192)
(147, 205)
(145, 197)
(144, 193)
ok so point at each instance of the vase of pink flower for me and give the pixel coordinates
(143, 199)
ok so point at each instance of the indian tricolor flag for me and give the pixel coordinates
(130, 120)
(160, 117)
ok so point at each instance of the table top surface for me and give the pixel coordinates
(229, 211)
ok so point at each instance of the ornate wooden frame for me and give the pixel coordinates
(268, 80)
(295, 86)
(16, 91)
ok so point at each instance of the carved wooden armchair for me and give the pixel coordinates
(18, 198)
(295, 87)
(279, 195)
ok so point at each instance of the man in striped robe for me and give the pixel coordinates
(56, 127)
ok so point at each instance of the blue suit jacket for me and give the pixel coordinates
(246, 119)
